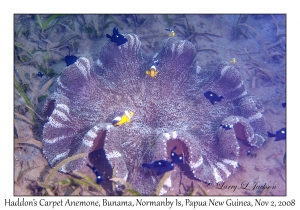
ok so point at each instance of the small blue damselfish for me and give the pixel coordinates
(98, 176)
(226, 126)
(117, 38)
(280, 134)
(176, 158)
(212, 97)
(161, 166)
(70, 59)
(40, 74)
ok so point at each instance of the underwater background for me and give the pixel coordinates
(254, 44)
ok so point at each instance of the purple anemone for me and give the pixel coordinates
(169, 110)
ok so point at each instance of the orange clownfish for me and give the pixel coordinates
(122, 118)
(152, 72)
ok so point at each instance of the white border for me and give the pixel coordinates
(8, 8)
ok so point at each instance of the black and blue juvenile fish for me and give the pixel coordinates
(70, 59)
(212, 97)
(156, 63)
(161, 166)
(226, 126)
(117, 38)
(249, 152)
(176, 158)
(40, 74)
(283, 104)
(280, 135)
(98, 176)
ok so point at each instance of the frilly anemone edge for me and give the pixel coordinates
(169, 108)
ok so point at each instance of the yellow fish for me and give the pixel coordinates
(172, 33)
(122, 118)
(233, 60)
(152, 72)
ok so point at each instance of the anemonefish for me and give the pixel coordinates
(172, 33)
(122, 118)
(233, 60)
(152, 72)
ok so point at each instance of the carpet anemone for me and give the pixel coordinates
(169, 109)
